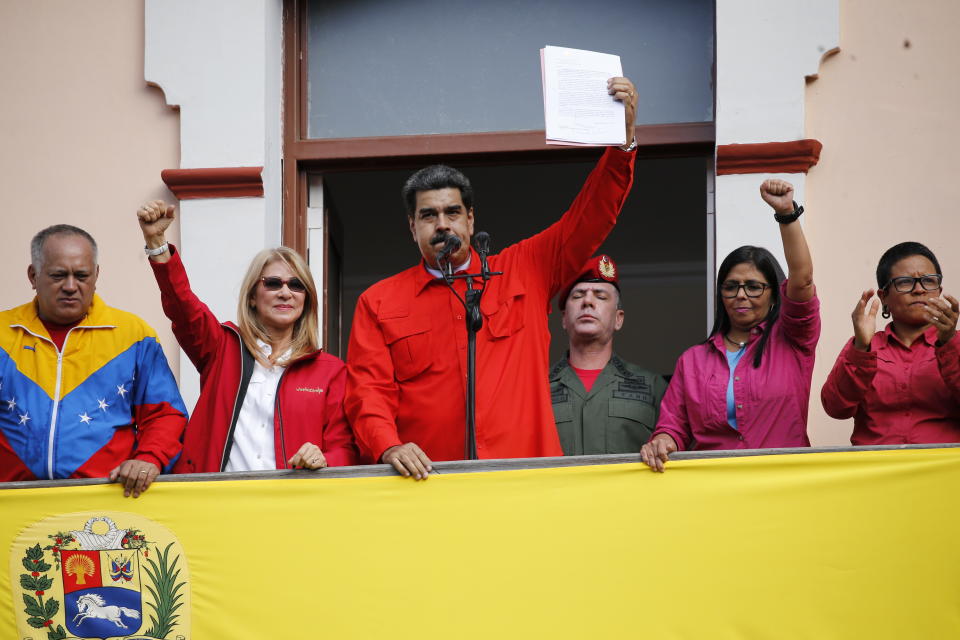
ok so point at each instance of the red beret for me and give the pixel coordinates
(597, 269)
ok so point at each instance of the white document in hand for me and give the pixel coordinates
(576, 106)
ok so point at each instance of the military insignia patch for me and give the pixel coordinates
(100, 575)
(606, 268)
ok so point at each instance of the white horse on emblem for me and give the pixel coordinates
(92, 605)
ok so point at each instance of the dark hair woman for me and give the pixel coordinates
(901, 385)
(748, 385)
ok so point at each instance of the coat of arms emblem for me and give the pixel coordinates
(102, 580)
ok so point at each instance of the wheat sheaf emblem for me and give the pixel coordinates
(80, 566)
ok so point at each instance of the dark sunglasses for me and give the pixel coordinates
(273, 283)
(906, 284)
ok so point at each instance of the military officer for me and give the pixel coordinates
(601, 403)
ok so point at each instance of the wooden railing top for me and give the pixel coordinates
(470, 466)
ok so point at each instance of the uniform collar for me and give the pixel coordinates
(614, 364)
(425, 274)
(436, 273)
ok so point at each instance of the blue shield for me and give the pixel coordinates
(102, 592)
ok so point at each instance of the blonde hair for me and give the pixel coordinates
(305, 331)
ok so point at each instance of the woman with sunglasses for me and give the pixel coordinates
(748, 385)
(269, 397)
(901, 385)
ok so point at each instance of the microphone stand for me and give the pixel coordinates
(474, 321)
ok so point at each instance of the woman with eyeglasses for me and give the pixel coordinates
(748, 385)
(901, 385)
(269, 397)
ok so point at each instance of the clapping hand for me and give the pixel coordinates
(865, 321)
(943, 315)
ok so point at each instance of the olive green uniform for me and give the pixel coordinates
(616, 416)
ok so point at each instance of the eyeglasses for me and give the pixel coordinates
(906, 284)
(753, 289)
(273, 283)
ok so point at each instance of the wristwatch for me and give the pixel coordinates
(787, 218)
(155, 252)
(631, 146)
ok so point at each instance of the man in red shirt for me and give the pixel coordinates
(406, 364)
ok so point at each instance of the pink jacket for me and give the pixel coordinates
(772, 400)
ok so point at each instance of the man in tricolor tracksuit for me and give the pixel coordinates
(85, 389)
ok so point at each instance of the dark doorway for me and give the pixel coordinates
(659, 243)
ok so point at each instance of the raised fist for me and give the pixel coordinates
(778, 194)
(154, 218)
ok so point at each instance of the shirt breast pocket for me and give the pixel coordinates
(566, 428)
(507, 319)
(562, 412)
(408, 339)
(630, 424)
(712, 402)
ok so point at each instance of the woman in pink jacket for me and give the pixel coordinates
(748, 385)
(269, 397)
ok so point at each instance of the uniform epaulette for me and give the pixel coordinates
(557, 368)
(621, 367)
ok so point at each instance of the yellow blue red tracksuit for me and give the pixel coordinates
(108, 396)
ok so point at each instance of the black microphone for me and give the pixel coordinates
(481, 242)
(451, 244)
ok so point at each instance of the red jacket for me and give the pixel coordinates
(408, 341)
(309, 405)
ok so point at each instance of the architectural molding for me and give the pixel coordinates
(795, 156)
(225, 182)
(767, 52)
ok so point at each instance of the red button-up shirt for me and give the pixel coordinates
(406, 362)
(897, 394)
(772, 400)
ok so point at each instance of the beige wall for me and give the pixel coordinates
(84, 141)
(885, 108)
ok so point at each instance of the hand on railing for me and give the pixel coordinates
(408, 459)
(656, 452)
(308, 456)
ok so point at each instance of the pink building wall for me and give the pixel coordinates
(885, 109)
(84, 141)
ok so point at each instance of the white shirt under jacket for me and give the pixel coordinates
(253, 436)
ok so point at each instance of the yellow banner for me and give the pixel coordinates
(827, 545)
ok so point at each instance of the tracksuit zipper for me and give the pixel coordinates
(56, 392)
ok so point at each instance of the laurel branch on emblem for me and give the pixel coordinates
(41, 612)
